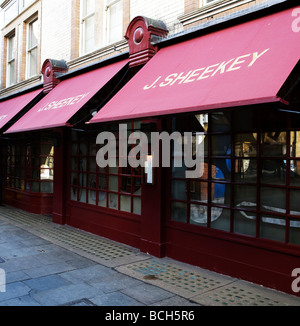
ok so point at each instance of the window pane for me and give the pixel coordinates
(125, 203)
(219, 195)
(273, 143)
(220, 122)
(199, 191)
(295, 231)
(221, 220)
(273, 172)
(245, 170)
(295, 144)
(113, 201)
(115, 19)
(295, 202)
(137, 206)
(295, 173)
(89, 34)
(179, 212)
(245, 223)
(220, 169)
(33, 34)
(198, 215)
(88, 7)
(245, 145)
(245, 196)
(221, 145)
(179, 190)
(33, 62)
(272, 227)
(273, 200)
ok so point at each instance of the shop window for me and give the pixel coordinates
(30, 164)
(117, 188)
(251, 180)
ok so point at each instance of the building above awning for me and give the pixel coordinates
(10, 108)
(69, 96)
(240, 65)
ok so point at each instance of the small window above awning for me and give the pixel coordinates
(59, 106)
(240, 65)
(11, 107)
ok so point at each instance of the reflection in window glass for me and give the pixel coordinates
(272, 227)
(221, 145)
(245, 170)
(273, 200)
(295, 231)
(179, 212)
(245, 223)
(220, 122)
(220, 219)
(273, 172)
(295, 173)
(245, 145)
(273, 144)
(295, 202)
(295, 144)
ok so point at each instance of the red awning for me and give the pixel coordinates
(10, 108)
(58, 106)
(239, 65)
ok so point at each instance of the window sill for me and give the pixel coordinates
(210, 10)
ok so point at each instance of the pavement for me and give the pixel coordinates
(45, 264)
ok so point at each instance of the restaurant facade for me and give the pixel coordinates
(235, 83)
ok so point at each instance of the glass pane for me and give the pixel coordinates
(47, 187)
(219, 195)
(273, 143)
(295, 202)
(198, 215)
(113, 201)
(220, 219)
(295, 173)
(245, 223)
(102, 199)
(115, 22)
(295, 232)
(33, 34)
(199, 191)
(32, 62)
(220, 122)
(74, 192)
(245, 145)
(272, 227)
(89, 34)
(125, 203)
(88, 7)
(220, 169)
(221, 145)
(179, 212)
(179, 190)
(137, 206)
(245, 170)
(273, 200)
(113, 183)
(245, 196)
(273, 172)
(11, 73)
(82, 195)
(295, 144)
